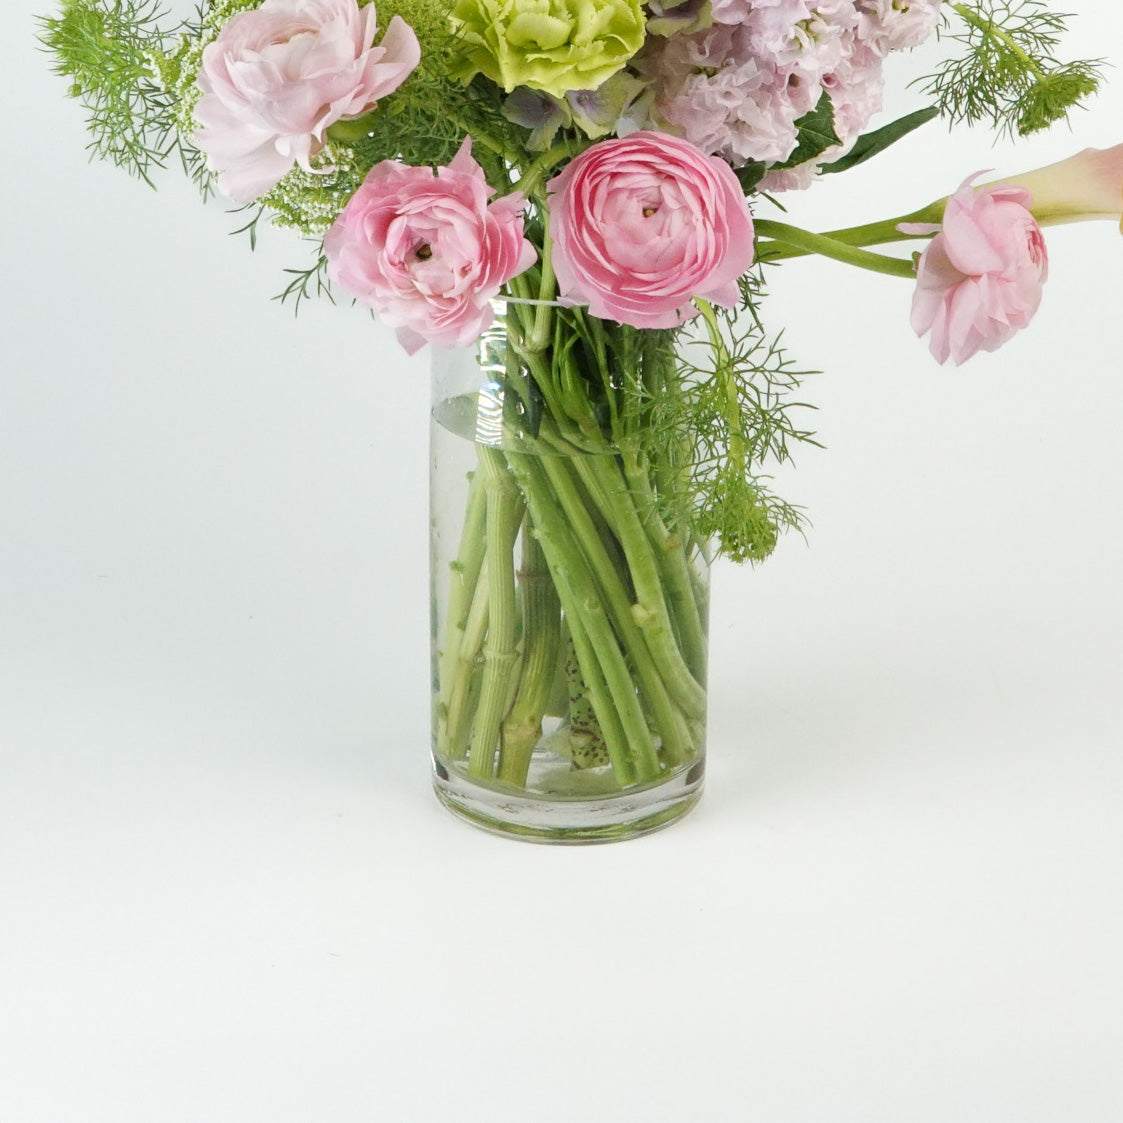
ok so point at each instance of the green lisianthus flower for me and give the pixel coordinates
(550, 45)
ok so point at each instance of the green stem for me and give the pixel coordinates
(504, 515)
(466, 676)
(993, 31)
(879, 233)
(539, 338)
(602, 477)
(668, 721)
(522, 728)
(798, 238)
(629, 741)
(536, 173)
(674, 564)
(464, 574)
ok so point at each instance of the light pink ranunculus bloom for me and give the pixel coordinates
(278, 76)
(429, 252)
(643, 224)
(980, 280)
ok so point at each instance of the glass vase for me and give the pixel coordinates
(569, 611)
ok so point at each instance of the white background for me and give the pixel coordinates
(227, 895)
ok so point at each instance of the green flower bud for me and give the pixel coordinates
(550, 45)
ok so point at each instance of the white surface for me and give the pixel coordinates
(227, 895)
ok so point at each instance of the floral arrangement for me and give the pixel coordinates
(590, 179)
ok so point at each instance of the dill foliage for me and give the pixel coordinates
(113, 53)
(1008, 73)
(731, 411)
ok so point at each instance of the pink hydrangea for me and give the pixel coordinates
(980, 280)
(643, 224)
(429, 252)
(279, 75)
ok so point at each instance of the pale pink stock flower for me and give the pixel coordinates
(428, 252)
(897, 25)
(277, 77)
(643, 224)
(980, 280)
(1083, 188)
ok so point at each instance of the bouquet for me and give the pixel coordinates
(568, 201)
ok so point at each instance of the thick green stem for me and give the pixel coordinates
(674, 564)
(464, 574)
(839, 251)
(541, 641)
(994, 31)
(536, 173)
(884, 232)
(466, 674)
(630, 744)
(504, 515)
(603, 478)
(669, 721)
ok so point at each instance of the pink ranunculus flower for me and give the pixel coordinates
(981, 278)
(279, 75)
(429, 252)
(643, 224)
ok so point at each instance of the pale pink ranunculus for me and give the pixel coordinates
(429, 252)
(980, 280)
(277, 77)
(643, 224)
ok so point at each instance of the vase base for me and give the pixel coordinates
(570, 821)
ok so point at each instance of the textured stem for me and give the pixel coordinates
(630, 744)
(674, 565)
(881, 233)
(669, 721)
(650, 610)
(464, 574)
(465, 675)
(522, 728)
(504, 514)
(839, 251)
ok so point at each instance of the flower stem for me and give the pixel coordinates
(797, 238)
(879, 233)
(611, 688)
(464, 573)
(538, 170)
(605, 483)
(504, 515)
(522, 728)
(993, 31)
(668, 721)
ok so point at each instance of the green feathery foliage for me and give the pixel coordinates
(1009, 74)
(731, 412)
(425, 120)
(306, 284)
(422, 123)
(113, 53)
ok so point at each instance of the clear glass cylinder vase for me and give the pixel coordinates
(569, 611)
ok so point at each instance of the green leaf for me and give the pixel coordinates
(871, 144)
(751, 175)
(816, 134)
